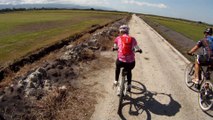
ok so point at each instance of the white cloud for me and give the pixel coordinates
(8, 2)
(134, 2)
(79, 2)
(22, 1)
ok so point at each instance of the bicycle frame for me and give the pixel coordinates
(203, 74)
(122, 88)
(122, 82)
(204, 86)
(206, 73)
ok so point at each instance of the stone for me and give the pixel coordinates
(20, 90)
(30, 85)
(8, 90)
(2, 98)
(69, 47)
(2, 92)
(47, 83)
(62, 88)
(42, 71)
(30, 92)
(17, 97)
(32, 78)
(60, 67)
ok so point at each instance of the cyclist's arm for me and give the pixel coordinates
(136, 48)
(115, 46)
(195, 48)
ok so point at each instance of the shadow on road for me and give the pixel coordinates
(145, 103)
(209, 112)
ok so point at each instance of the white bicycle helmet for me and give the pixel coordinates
(124, 28)
(208, 31)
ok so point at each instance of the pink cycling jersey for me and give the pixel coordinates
(121, 57)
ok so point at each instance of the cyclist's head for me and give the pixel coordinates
(208, 31)
(124, 29)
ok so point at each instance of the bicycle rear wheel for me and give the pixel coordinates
(189, 74)
(205, 96)
(121, 94)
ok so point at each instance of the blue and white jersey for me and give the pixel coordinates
(207, 45)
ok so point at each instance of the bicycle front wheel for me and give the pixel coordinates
(205, 96)
(189, 74)
(121, 94)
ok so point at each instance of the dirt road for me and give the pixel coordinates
(159, 91)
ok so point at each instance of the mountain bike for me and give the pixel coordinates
(204, 86)
(122, 87)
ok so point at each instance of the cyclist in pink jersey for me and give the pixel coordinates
(126, 46)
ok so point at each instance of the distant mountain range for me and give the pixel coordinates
(60, 6)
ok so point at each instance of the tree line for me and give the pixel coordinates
(43, 8)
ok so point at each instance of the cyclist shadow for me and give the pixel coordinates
(145, 102)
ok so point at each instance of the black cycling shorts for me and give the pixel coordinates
(127, 66)
(204, 60)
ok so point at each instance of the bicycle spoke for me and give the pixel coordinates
(137, 88)
(206, 103)
(189, 73)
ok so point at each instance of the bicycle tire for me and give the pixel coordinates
(189, 73)
(121, 94)
(206, 101)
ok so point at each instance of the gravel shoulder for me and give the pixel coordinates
(179, 41)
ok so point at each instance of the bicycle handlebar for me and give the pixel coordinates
(114, 49)
(139, 51)
(191, 54)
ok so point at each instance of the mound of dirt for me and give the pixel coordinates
(47, 90)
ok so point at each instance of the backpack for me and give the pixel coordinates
(210, 40)
(126, 45)
(208, 43)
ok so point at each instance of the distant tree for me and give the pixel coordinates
(6, 10)
(92, 9)
(200, 22)
(12, 9)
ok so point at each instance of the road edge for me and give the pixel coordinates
(165, 41)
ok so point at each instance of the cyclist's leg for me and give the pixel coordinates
(119, 64)
(197, 67)
(201, 61)
(129, 67)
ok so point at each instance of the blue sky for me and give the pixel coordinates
(198, 10)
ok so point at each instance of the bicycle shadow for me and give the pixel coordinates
(145, 102)
(209, 112)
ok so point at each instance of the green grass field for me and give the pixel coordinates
(190, 29)
(25, 31)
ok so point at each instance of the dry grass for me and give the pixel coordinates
(61, 104)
